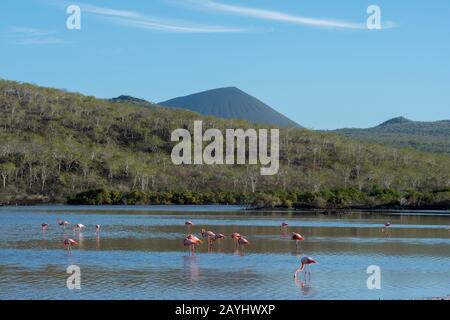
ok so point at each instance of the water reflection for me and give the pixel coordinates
(191, 266)
(97, 241)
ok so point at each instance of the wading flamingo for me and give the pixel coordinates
(191, 241)
(44, 226)
(189, 225)
(62, 223)
(305, 267)
(68, 243)
(283, 228)
(208, 234)
(386, 229)
(236, 236)
(79, 227)
(242, 242)
(218, 236)
(297, 237)
(97, 228)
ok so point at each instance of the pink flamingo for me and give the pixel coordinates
(297, 237)
(189, 225)
(62, 223)
(218, 236)
(191, 241)
(387, 229)
(44, 226)
(97, 228)
(283, 227)
(305, 267)
(208, 234)
(236, 236)
(79, 227)
(242, 242)
(68, 243)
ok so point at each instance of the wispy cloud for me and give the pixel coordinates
(138, 20)
(32, 36)
(279, 16)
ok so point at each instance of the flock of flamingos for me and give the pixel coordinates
(191, 241)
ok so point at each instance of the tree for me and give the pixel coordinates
(6, 169)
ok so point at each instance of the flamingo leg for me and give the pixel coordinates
(309, 273)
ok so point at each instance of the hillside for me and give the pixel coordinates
(404, 133)
(57, 146)
(132, 100)
(231, 103)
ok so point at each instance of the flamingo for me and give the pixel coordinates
(79, 227)
(305, 267)
(191, 241)
(62, 223)
(193, 237)
(242, 242)
(68, 243)
(218, 236)
(188, 224)
(283, 228)
(386, 228)
(208, 234)
(236, 236)
(97, 228)
(44, 226)
(297, 237)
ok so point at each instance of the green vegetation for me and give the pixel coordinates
(57, 146)
(404, 133)
(325, 199)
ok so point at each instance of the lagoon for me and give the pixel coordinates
(139, 254)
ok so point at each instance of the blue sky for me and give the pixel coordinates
(312, 60)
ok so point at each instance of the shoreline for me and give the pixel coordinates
(245, 207)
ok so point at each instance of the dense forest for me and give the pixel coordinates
(58, 147)
(403, 133)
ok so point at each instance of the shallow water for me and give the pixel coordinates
(139, 254)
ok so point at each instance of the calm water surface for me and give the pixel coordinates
(139, 254)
